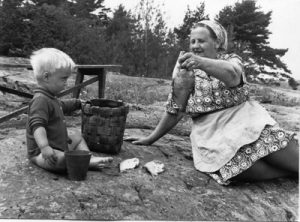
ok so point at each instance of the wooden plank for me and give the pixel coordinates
(65, 92)
(15, 92)
(98, 66)
(28, 66)
(6, 65)
(13, 114)
(95, 69)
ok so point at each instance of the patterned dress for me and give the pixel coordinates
(229, 132)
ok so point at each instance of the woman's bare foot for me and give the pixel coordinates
(97, 162)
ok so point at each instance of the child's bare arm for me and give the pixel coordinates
(48, 153)
(70, 105)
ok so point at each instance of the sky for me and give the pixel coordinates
(284, 28)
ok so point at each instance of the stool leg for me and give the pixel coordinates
(79, 79)
(101, 83)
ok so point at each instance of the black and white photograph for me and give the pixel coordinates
(149, 110)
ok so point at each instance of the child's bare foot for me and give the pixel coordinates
(97, 162)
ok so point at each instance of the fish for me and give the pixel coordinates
(129, 164)
(155, 167)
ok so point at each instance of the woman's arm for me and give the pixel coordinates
(167, 122)
(228, 71)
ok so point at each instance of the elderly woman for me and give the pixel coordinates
(233, 138)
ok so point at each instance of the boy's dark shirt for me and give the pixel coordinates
(47, 111)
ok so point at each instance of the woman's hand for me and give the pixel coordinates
(138, 140)
(49, 155)
(183, 79)
(189, 61)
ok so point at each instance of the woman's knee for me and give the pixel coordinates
(293, 148)
(286, 158)
(253, 172)
(261, 170)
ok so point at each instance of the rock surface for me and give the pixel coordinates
(179, 193)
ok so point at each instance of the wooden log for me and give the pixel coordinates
(15, 92)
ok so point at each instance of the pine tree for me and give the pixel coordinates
(13, 28)
(94, 10)
(30, 25)
(120, 34)
(151, 38)
(48, 2)
(248, 32)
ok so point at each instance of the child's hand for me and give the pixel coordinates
(80, 103)
(49, 155)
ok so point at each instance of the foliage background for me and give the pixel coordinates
(138, 40)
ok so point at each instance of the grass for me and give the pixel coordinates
(275, 95)
(134, 90)
(146, 91)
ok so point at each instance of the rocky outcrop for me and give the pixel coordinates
(17, 78)
(179, 193)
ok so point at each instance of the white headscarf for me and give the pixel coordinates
(220, 32)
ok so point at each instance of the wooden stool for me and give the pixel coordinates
(99, 70)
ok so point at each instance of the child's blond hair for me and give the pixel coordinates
(49, 60)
